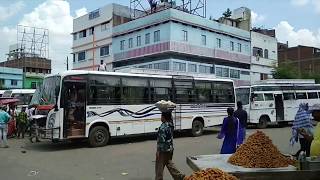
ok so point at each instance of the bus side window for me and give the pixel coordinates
(268, 97)
(301, 95)
(289, 96)
(312, 95)
(258, 97)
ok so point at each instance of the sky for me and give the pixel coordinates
(295, 21)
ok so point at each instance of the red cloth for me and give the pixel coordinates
(11, 127)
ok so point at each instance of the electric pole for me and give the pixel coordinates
(67, 63)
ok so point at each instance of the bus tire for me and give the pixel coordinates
(99, 136)
(263, 122)
(197, 128)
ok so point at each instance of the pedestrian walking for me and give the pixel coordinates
(30, 112)
(22, 121)
(243, 119)
(4, 119)
(230, 133)
(302, 125)
(165, 149)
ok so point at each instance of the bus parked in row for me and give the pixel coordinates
(24, 96)
(100, 105)
(277, 101)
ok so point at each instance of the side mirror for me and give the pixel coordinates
(252, 97)
(56, 92)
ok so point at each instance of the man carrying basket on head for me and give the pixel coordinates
(165, 142)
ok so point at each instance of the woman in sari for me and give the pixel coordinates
(230, 133)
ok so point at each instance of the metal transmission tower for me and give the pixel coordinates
(140, 8)
(32, 41)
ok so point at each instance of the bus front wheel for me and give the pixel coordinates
(197, 128)
(99, 136)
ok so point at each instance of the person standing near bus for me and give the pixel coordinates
(4, 119)
(165, 149)
(302, 125)
(230, 133)
(243, 119)
(22, 121)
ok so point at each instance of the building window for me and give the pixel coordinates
(146, 66)
(192, 68)
(239, 47)
(83, 34)
(81, 56)
(222, 72)
(218, 43)
(245, 72)
(185, 35)
(91, 31)
(75, 36)
(234, 73)
(130, 42)
(33, 85)
(263, 76)
(104, 26)
(74, 57)
(94, 14)
(204, 40)
(1, 82)
(138, 40)
(257, 52)
(147, 38)
(162, 66)
(231, 45)
(156, 36)
(204, 69)
(122, 44)
(14, 82)
(34, 70)
(104, 51)
(266, 54)
(177, 66)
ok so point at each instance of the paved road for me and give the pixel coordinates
(130, 158)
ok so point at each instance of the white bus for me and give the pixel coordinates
(24, 95)
(1, 92)
(276, 101)
(99, 105)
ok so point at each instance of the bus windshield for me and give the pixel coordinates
(45, 94)
(243, 95)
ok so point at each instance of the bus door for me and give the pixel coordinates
(279, 107)
(74, 98)
(183, 95)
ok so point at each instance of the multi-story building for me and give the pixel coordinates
(92, 36)
(34, 68)
(264, 54)
(179, 41)
(10, 78)
(305, 59)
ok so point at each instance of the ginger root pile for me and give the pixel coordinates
(259, 152)
(210, 174)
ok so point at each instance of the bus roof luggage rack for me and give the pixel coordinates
(286, 81)
(163, 72)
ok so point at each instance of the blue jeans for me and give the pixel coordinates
(3, 134)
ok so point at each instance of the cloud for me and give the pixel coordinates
(257, 18)
(13, 9)
(286, 32)
(299, 2)
(81, 12)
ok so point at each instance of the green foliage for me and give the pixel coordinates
(289, 71)
(227, 13)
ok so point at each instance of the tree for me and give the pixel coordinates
(227, 13)
(285, 71)
(289, 71)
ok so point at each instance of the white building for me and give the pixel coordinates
(92, 36)
(264, 54)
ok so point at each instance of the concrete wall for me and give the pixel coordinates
(8, 75)
(262, 65)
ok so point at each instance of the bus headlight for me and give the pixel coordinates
(52, 120)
